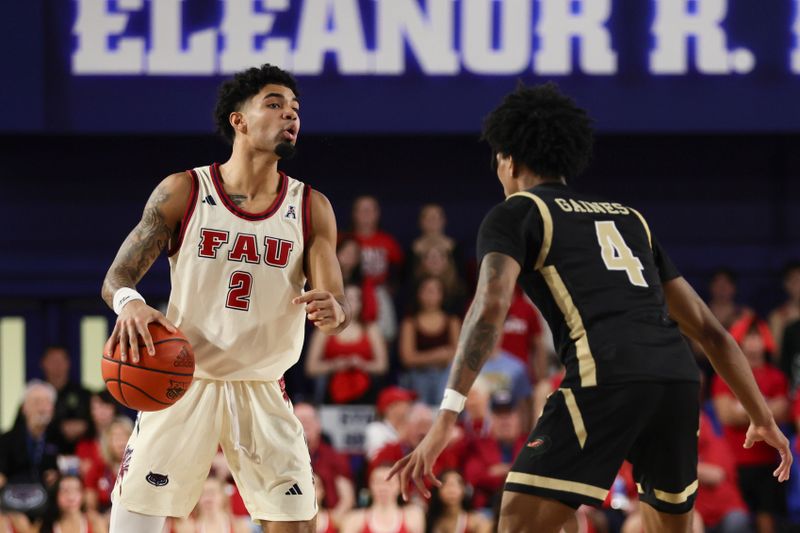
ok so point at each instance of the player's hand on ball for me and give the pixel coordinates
(322, 310)
(773, 436)
(131, 324)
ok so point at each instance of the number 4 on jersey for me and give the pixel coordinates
(616, 254)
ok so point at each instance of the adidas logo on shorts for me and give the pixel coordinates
(294, 491)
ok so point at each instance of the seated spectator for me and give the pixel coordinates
(428, 340)
(348, 252)
(544, 388)
(71, 420)
(475, 418)
(392, 407)
(381, 259)
(384, 514)
(789, 311)
(504, 372)
(622, 501)
(332, 467)
(100, 479)
(213, 510)
(449, 510)
(722, 298)
(762, 492)
(719, 501)
(103, 409)
(436, 262)
(432, 222)
(418, 423)
(522, 335)
(489, 458)
(790, 353)
(65, 510)
(351, 360)
(221, 471)
(27, 454)
(325, 521)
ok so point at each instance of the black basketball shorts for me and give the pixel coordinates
(577, 447)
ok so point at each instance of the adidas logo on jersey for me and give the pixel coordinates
(294, 491)
(209, 200)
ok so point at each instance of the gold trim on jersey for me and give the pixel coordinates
(586, 366)
(547, 226)
(644, 223)
(543, 482)
(672, 497)
(575, 415)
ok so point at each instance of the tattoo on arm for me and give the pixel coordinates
(141, 248)
(481, 330)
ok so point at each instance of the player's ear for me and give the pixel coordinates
(238, 122)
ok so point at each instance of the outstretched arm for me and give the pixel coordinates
(325, 304)
(158, 226)
(479, 336)
(696, 321)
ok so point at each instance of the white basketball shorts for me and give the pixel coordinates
(169, 453)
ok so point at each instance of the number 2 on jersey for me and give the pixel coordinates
(616, 254)
(239, 291)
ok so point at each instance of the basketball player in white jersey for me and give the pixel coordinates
(243, 239)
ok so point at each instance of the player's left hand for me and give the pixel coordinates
(322, 309)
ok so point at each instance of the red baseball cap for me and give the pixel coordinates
(393, 394)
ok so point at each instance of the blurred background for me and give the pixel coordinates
(697, 122)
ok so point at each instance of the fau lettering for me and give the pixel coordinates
(245, 248)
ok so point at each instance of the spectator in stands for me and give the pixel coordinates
(325, 521)
(65, 510)
(789, 311)
(522, 335)
(762, 492)
(332, 467)
(384, 515)
(790, 353)
(393, 406)
(504, 372)
(449, 510)
(435, 261)
(544, 388)
(490, 458)
(103, 409)
(100, 479)
(719, 501)
(428, 339)
(348, 252)
(475, 418)
(352, 361)
(722, 298)
(221, 471)
(432, 222)
(381, 259)
(27, 454)
(416, 426)
(213, 510)
(72, 419)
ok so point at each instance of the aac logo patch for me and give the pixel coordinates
(539, 445)
(157, 480)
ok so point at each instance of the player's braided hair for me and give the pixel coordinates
(235, 91)
(542, 129)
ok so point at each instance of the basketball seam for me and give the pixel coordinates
(162, 341)
(137, 388)
(120, 363)
(119, 376)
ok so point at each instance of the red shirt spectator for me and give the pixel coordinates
(718, 493)
(330, 465)
(773, 385)
(522, 329)
(379, 250)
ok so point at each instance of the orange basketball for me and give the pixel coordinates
(156, 381)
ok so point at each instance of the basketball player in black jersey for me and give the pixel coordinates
(617, 307)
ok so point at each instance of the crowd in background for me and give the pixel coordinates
(63, 453)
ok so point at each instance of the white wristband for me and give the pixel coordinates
(453, 400)
(123, 296)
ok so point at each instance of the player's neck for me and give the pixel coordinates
(251, 173)
(530, 180)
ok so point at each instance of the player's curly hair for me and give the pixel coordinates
(235, 91)
(542, 129)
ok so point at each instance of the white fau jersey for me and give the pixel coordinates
(234, 275)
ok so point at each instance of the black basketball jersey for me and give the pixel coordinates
(594, 271)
